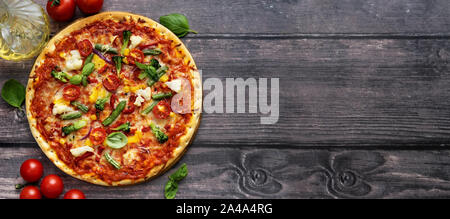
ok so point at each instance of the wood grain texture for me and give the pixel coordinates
(364, 101)
(412, 17)
(333, 92)
(272, 173)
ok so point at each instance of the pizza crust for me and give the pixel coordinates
(191, 127)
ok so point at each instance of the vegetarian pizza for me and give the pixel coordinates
(114, 99)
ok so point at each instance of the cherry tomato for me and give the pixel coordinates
(161, 110)
(85, 47)
(71, 92)
(135, 55)
(31, 170)
(74, 194)
(97, 136)
(130, 106)
(111, 82)
(30, 192)
(61, 10)
(52, 186)
(90, 6)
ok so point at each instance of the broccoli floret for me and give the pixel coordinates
(160, 135)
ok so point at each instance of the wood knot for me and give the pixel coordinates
(346, 178)
(258, 177)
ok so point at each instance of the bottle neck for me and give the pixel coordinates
(4, 14)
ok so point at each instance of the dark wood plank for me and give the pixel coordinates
(272, 173)
(296, 17)
(343, 92)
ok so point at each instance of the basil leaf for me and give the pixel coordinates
(180, 174)
(87, 69)
(177, 23)
(76, 79)
(13, 92)
(170, 190)
(116, 140)
(89, 59)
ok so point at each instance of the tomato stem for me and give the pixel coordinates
(55, 2)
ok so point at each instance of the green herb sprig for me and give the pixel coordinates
(171, 188)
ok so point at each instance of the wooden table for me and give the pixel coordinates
(364, 101)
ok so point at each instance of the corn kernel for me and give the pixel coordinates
(62, 55)
(126, 89)
(126, 52)
(126, 81)
(62, 141)
(125, 60)
(88, 142)
(164, 78)
(93, 117)
(135, 88)
(172, 114)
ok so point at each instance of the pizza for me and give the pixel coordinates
(114, 99)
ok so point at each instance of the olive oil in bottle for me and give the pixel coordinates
(24, 29)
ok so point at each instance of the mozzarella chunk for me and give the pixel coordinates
(135, 41)
(74, 62)
(175, 85)
(145, 93)
(142, 96)
(139, 100)
(81, 150)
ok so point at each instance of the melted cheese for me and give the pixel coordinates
(81, 150)
(130, 156)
